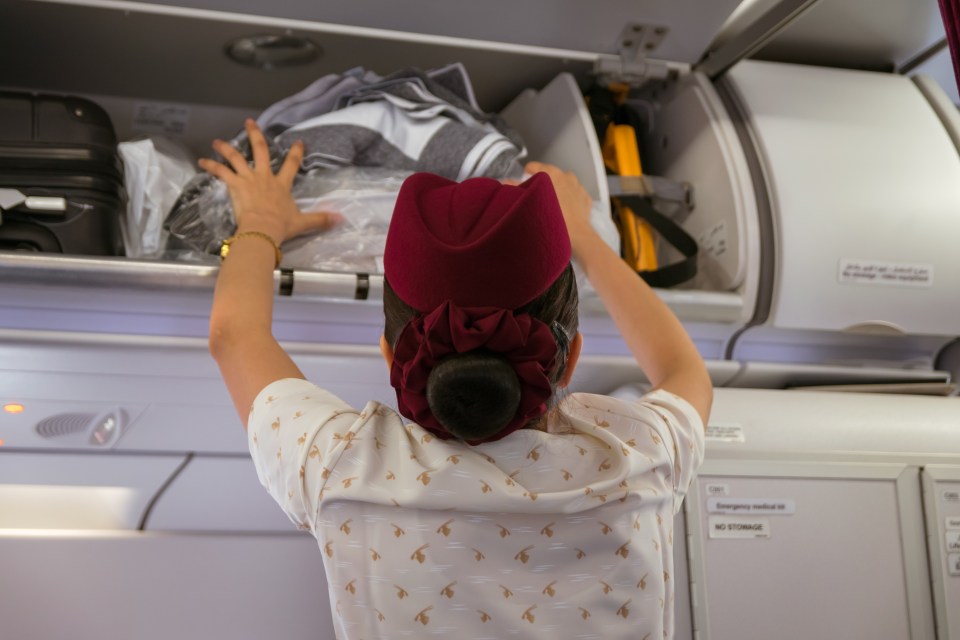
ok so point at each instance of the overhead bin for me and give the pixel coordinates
(527, 69)
(863, 188)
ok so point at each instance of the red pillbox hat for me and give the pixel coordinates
(477, 243)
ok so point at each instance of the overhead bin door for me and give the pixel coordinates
(864, 184)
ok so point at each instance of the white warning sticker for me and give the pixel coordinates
(738, 527)
(717, 490)
(953, 564)
(751, 506)
(952, 538)
(891, 274)
(725, 433)
(161, 118)
(713, 241)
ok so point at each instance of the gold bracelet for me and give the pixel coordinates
(225, 247)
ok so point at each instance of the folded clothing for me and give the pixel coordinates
(410, 121)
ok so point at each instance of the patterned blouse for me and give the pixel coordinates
(565, 533)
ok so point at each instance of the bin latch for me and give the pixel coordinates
(635, 42)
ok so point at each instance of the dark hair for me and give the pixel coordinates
(475, 394)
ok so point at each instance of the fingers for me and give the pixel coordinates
(232, 156)
(217, 170)
(319, 221)
(537, 167)
(258, 146)
(291, 164)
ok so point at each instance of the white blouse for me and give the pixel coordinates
(559, 534)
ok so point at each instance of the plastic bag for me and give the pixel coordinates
(155, 172)
(364, 197)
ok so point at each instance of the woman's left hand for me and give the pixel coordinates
(261, 199)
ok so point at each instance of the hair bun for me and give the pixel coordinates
(473, 395)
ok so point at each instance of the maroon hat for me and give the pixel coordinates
(478, 243)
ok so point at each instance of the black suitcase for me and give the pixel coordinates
(61, 182)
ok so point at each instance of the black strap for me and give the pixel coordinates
(672, 274)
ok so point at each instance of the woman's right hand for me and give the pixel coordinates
(575, 202)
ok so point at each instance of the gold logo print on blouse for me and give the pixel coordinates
(549, 590)
(566, 474)
(606, 588)
(478, 555)
(534, 454)
(401, 592)
(623, 552)
(351, 587)
(374, 554)
(548, 530)
(506, 592)
(484, 487)
(345, 527)
(454, 459)
(584, 613)
(642, 585)
(302, 439)
(347, 437)
(422, 617)
(424, 477)
(419, 555)
(275, 425)
(444, 529)
(448, 590)
(528, 615)
(391, 475)
(484, 616)
(504, 532)
(522, 555)
(623, 611)
(397, 531)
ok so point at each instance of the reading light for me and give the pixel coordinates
(14, 408)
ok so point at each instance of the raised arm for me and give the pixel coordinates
(653, 334)
(241, 338)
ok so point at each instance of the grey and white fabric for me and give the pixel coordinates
(410, 121)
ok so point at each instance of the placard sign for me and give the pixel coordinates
(751, 506)
(739, 527)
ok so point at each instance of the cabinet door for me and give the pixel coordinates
(808, 550)
(941, 497)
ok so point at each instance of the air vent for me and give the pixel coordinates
(96, 429)
(64, 424)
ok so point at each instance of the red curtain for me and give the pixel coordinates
(950, 10)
